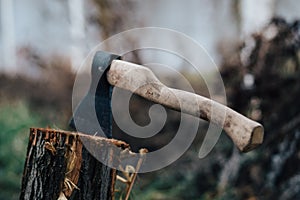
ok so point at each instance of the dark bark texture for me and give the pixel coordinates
(58, 166)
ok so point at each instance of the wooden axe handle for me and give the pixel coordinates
(245, 133)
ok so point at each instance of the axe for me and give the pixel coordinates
(245, 133)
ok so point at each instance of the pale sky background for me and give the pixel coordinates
(54, 26)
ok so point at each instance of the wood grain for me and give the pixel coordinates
(59, 166)
(244, 132)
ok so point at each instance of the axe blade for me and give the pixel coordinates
(94, 111)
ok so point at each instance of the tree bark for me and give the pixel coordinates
(58, 166)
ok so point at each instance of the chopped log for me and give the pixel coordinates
(59, 166)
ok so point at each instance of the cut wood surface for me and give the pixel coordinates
(245, 133)
(59, 166)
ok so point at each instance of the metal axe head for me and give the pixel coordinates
(93, 114)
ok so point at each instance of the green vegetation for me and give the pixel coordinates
(15, 121)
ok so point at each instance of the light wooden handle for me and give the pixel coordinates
(245, 133)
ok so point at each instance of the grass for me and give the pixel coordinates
(15, 121)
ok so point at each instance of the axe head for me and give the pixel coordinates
(93, 114)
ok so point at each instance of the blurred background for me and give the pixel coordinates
(256, 45)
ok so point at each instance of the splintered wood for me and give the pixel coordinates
(59, 165)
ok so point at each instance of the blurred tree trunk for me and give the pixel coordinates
(236, 12)
(7, 33)
(112, 16)
(58, 166)
(77, 31)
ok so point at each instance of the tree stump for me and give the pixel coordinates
(58, 166)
